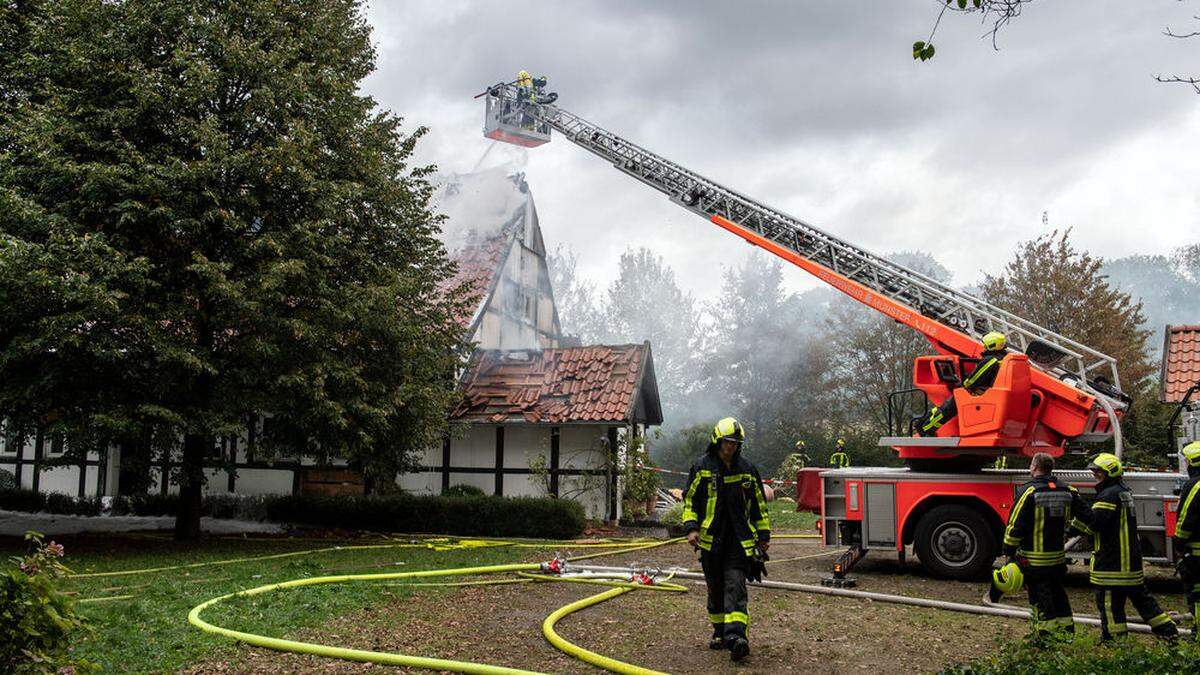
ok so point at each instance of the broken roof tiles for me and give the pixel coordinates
(478, 262)
(554, 386)
(1181, 362)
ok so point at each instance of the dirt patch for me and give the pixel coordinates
(790, 632)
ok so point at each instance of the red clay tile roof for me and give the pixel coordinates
(1181, 362)
(597, 383)
(478, 263)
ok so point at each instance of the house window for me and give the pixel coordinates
(57, 445)
(10, 442)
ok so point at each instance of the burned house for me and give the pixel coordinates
(540, 414)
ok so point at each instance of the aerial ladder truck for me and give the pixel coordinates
(1049, 390)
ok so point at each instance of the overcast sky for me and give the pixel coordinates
(817, 108)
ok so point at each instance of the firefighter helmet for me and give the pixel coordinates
(1191, 452)
(994, 341)
(1008, 579)
(841, 443)
(800, 445)
(1107, 464)
(728, 429)
(524, 79)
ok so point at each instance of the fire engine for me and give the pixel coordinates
(1049, 390)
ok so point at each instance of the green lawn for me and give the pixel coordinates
(150, 631)
(785, 517)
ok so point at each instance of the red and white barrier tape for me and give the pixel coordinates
(768, 481)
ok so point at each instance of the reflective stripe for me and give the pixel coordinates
(688, 513)
(1108, 506)
(1159, 620)
(1081, 526)
(1044, 558)
(1126, 557)
(1184, 506)
(737, 617)
(983, 368)
(1039, 528)
(716, 618)
(1108, 615)
(1010, 537)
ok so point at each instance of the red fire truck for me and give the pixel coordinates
(1049, 390)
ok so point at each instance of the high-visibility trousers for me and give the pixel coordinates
(1110, 600)
(725, 568)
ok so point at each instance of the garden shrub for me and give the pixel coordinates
(37, 621)
(8, 481)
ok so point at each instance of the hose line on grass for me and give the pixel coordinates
(582, 654)
(361, 655)
(431, 544)
(659, 586)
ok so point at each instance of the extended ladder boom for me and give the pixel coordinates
(952, 320)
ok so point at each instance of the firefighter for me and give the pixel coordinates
(1034, 538)
(801, 457)
(725, 515)
(979, 381)
(1116, 570)
(1187, 532)
(839, 459)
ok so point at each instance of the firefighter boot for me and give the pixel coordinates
(717, 641)
(739, 649)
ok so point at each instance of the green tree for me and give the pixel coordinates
(203, 219)
(1055, 285)
(645, 303)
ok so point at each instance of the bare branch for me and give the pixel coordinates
(1193, 82)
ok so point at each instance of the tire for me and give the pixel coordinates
(955, 542)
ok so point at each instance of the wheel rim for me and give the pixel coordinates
(954, 544)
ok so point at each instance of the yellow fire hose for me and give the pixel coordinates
(582, 654)
(362, 655)
(660, 586)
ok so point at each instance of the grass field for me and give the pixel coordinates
(150, 631)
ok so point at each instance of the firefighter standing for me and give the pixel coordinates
(1034, 537)
(839, 459)
(1116, 570)
(1187, 532)
(725, 515)
(979, 381)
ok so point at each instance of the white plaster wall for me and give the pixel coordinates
(523, 443)
(421, 482)
(263, 482)
(61, 479)
(583, 447)
(483, 481)
(476, 448)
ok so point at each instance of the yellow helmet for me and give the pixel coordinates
(994, 341)
(1191, 452)
(841, 442)
(524, 78)
(1008, 579)
(800, 445)
(1108, 464)
(728, 429)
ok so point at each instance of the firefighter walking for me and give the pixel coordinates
(1034, 538)
(725, 515)
(1187, 532)
(1116, 570)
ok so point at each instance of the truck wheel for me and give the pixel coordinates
(955, 542)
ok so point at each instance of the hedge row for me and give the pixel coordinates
(461, 515)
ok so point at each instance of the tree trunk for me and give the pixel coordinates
(191, 487)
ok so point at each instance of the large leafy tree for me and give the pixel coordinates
(1055, 285)
(202, 219)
